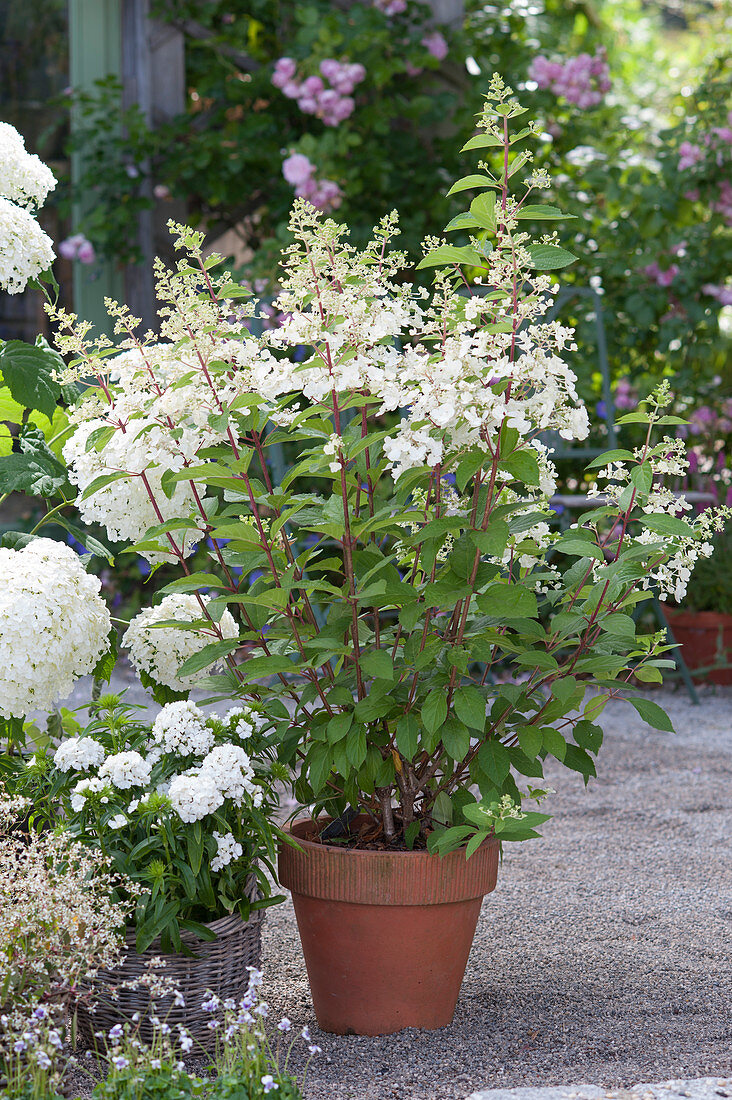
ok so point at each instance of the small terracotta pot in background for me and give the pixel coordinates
(385, 935)
(703, 635)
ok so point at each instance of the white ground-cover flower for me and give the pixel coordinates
(54, 626)
(160, 418)
(126, 769)
(160, 651)
(229, 849)
(24, 178)
(25, 250)
(194, 795)
(78, 754)
(181, 728)
(83, 789)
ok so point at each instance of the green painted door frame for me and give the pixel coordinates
(95, 51)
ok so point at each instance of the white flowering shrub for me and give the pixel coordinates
(410, 555)
(54, 625)
(181, 807)
(159, 651)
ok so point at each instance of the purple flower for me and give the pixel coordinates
(269, 1083)
(436, 45)
(284, 1024)
(120, 1063)
(297, 169)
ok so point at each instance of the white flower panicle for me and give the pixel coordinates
(78, 754)
(229, 850)
(181, 728)
(54, 626)
(163, 412)
(160, 651)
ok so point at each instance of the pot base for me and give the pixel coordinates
(385, 935)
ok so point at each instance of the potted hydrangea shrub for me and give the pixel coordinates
(419, 636)
(181, 808)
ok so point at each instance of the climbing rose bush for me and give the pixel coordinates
(420, 630)
(54, 626)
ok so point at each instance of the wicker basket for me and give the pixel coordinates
(219, 965)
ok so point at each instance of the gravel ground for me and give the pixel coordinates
(604, 954)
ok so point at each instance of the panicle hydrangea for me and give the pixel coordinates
(229, 849)
(180, 728)
(26, 250)
(160, 651)
(78, 754)
(24, 179)
(158, 420)
(54, 626)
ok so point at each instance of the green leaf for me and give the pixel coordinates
(588, 735)
(35, 473)
(642, 477)
(407, 736)
(469, 705)
(378, 663)
(494, 760)
(462, 221)
(208, 656)
(494, 539)
(663, 524)
(474, 843)
(456, 739)
(28, 372)
(651, 713)
(102, 481)
(482, 141)
(356, 746)
(580, 548)
(467, 183)
(483, 209)
(339, 726)
(434, 711)
(579, 761)
(553, 742)
(531, 741)
(549, 257)
(508, 601)
(446, 255)
(543, 213)
(411, 833)
(523, 465)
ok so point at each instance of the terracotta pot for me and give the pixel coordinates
(706, 637)
(386, 935)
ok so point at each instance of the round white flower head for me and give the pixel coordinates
(242, 722)
(78, 754)
(26, 250)
(54, 626)
(24, 178)
(117, 822)
(161, 651)
(181, 728)
(228, 850)
(193, 795)
(126, 769)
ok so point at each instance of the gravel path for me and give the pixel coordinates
(603, 956)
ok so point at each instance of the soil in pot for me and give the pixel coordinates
(385, 934)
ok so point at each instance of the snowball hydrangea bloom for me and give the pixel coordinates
(24, 179)
(78, 754)
(181, 728)
(54, 626)
(26, 250)
(160, 651)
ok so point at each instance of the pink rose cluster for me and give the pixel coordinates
(333, 104)
(625, 396)
(661, 277)
(723, 204)
(582, 80)
(300, 172)
(391, 7)
(78, 248)
(723, 294)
